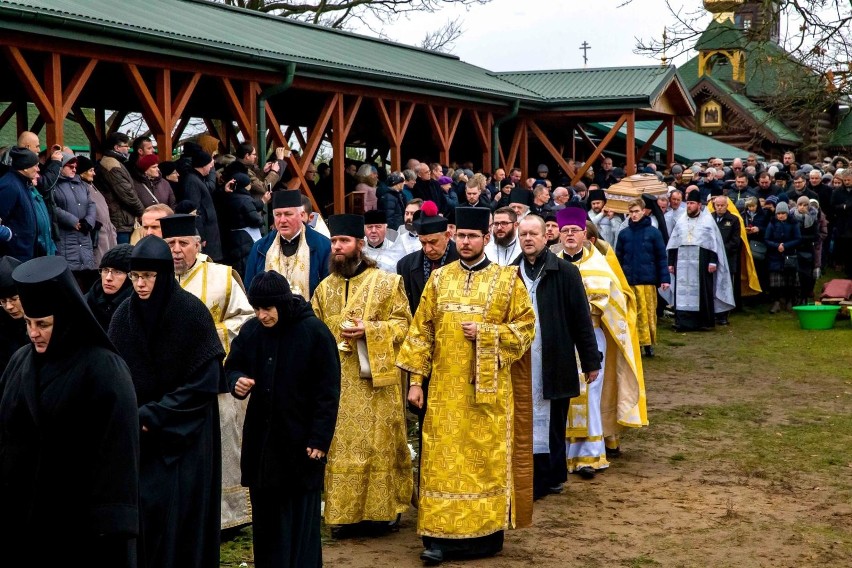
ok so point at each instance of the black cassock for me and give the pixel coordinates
(705, 317)
(293, 406)
(69, 450)
(176, 371)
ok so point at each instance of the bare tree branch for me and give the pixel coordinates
(442, 39)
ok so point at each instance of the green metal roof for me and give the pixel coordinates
(74, 136)
(208, 31)
(842, 136)
(763, 119)
(721, 35)
(224, 34)
(689, 146)
(596, 86)
(768, 70)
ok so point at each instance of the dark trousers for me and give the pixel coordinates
(551, 469)
(286, 529)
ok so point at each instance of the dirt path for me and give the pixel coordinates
(683, 496)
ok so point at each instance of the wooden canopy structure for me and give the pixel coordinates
(282, 80)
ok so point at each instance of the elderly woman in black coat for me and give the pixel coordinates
(69, 434)
(287, 359)
(113, 287)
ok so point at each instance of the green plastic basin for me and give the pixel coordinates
(816, 317)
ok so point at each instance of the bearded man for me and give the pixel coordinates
(505, 248)
(219, 287)
(368, 481)
(702, 282)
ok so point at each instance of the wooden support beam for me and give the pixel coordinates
(150, 108)
(650, 141)
(524, 149)
(394, 124)
(76, 85)
(88, 129)
(444, 128)
(509, 161)
(100, 128)
(37, 125)
(28, 81)
(599, 148)
(630, 144)
(8, 113)
(670, 141)
(116, 120)
(22, 118)
(338, 146)
(300, 137)
(482, 127)
(556, 154)
(214, 131)
(178, 131)
(585, 137)
(235, 106)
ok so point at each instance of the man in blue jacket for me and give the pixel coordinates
(22, 209)
(294, 250)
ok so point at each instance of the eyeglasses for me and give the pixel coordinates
(502, 223)
(566, 231)
(146, 276)
(468, 237)
(113, 271)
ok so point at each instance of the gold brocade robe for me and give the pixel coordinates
(369, 472)
(220, 288)
(623, 401)
(468, 483)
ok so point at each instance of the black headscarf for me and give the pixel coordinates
(46, 287)
(152, 254)
(270, 289)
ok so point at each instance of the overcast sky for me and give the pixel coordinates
(506, 35)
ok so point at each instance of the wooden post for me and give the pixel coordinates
(630, 144)
(482, 127)
(524, 149)
(599, 148)
(670, 141)
(444, 127)
(650, 141)
(394, 123)
(338, 145)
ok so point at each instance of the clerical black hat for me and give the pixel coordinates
(286, 198)
(694, 195)
(431, 225)
(520, 195)
(8, 264)
(597, 195)
(375, 217)
(180, 225)
(346, 225)
(716, 190)
(474, 218)
(45, 286)
(152, 253)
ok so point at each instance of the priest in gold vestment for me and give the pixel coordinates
(368, 480)
(603, 407)
(219, 287)
(472, 333)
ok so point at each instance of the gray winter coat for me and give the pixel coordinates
(73, 206)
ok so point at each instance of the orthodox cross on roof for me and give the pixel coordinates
(585, 47)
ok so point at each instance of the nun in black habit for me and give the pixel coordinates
(13, 330)
(169, 341)
(287, 359)
(113, 286)
(69, 434)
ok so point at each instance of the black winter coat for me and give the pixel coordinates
(786, 233)
(410, 267)
(566, 323)
(196, 190)
(294, 401)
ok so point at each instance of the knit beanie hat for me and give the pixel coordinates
(22, 158)
(118, 257)
(201, 159)
(269, 289)
(84, 164)
(782, 208)
(773, 199)
(145, 162)
(167, 168)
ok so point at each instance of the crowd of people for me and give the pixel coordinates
(206, 351)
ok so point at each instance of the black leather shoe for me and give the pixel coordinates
(649, 350)
(432, 556)
(613, 452)
(555, 490)
(586, 472)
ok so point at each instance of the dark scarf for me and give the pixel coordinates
(184, 341)
(103, 305)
